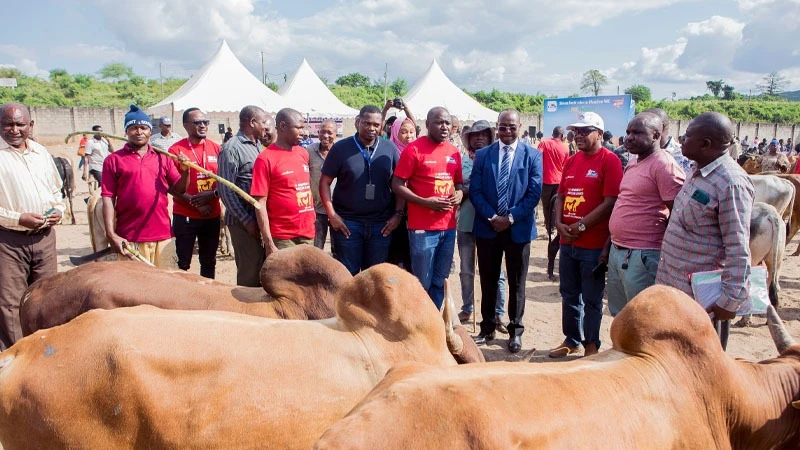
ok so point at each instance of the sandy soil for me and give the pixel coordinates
(543, 308)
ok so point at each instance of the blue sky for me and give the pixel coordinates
(514, 45)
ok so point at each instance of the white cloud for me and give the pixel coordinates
(20, 58)
(771, 36)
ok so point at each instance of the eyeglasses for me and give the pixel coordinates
(201, 122)
(511, 128)
(584, 131)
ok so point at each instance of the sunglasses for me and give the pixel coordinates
(201, 122)
(584, 131)
(511, 128)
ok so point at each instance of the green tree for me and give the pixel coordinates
(116, 72)
(273, 85)
(639, 93)
(354, 79)
(773, 84)
(715, 86)
(398, 87)
(728, 93)
(593, 81)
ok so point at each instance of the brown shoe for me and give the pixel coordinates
(464, 316)
(589, 350)
(562, 351)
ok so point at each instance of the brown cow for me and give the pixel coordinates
(145, 378)
(300, 283)
(795, 217)
(666, 384)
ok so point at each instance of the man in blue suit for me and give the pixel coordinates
(505, 187)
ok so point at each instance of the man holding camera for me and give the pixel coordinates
(589, 187)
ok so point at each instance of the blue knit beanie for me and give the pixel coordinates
(137, 117)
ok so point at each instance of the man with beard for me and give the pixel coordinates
(586, 196)
(637, 225)
(195, 214)
(235, 164)
(136, 180)
(363, 211)
(282, 184)
(429, 177)
(317, 152)
(30, 204)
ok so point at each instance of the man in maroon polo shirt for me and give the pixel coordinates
(136, 181)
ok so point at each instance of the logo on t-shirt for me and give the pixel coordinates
(305, 168)
(304, 199)
(591, 174)
(443, 188)
(451, 160)
(571, 203)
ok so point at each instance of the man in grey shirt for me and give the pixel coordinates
(97, 150)
(235, 164)
(316, 157)
(164, 139)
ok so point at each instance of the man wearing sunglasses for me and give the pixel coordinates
(196, 213)
(166, 138)
(586, 196)
(505, 186)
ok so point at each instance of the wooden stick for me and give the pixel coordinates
(135, 253)
(194, 166)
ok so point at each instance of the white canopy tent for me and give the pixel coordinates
(223, 84)
(306, 92)
(435, 89)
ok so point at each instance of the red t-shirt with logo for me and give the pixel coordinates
(431, 170)
(585, 182)
(554, 156)
(283, 177)
(204, 155)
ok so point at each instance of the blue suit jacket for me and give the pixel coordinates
(524, 190)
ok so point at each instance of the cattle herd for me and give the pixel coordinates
(320, 359)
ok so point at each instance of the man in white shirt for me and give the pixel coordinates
(164, 139)
(30, 204)
(97, 150)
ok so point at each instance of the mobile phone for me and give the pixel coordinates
(600, 271)
(50, 212)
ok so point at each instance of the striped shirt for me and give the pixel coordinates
(709, 229)
(29, 183)
(235, 164)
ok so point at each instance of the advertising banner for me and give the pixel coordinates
(616, 111)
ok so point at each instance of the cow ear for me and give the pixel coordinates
(796, 404)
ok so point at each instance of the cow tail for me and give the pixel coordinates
(776, 258)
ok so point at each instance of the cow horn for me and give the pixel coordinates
(454, 342)
(777, 330)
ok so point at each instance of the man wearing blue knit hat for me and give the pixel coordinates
(136, 180)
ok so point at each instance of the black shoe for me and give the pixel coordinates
(482, 339)
(500, 326)
(515, 344)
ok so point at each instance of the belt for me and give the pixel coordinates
(619, 247)
(26, 232)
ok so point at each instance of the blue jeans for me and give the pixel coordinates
(581, 295)
(466, 251)
(431, 256)
(365, 247)
(639, 274)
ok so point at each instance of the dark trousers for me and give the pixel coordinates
(490, 257)
(549, 193)
(97, 176)
(24, 258)
(249, 254)
(206, 233)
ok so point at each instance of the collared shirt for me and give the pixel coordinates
(709, 229)
(164, 143)
(235, 164)
(97, 151)
(674, 148)
(501, 154)
(29, 183)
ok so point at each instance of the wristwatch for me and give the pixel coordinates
(511, 219)
(400, 213)
(581, 227)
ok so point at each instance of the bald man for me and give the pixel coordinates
(709, 228)
(648, 189)
(30, 204)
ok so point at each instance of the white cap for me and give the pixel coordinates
(588, 119)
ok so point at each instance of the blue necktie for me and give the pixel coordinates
(502, 183)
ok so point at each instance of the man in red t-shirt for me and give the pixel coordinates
(196, 213)
(282, 184)
(554, 155)
(586, 196)
(428, 176)
(136, 180)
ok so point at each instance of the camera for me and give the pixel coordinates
(398, 103)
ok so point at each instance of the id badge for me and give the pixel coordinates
(369, 194)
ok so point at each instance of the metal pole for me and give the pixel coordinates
(263, 74)
(386, 83)
(161, 77)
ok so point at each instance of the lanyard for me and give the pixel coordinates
(205, 157)
(367, 159)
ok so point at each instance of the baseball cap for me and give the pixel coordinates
(588, 119)
(773, 142)
(164, 120)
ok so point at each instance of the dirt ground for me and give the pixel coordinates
(543, 308)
